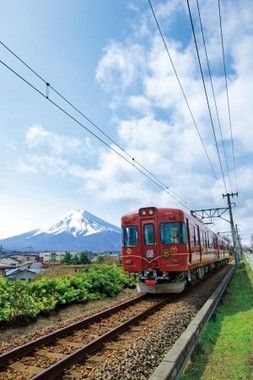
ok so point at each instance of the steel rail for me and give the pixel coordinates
(20, 351)
(58, 368)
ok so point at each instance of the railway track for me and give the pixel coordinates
(137, 354)
(133, 355)
(49, 356)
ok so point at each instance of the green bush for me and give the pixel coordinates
(106, 279)
(22, 300)
(6, 299)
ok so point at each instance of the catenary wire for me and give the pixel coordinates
(228, 102)
(150, 177)
(183, 92)
(213, 93)
(206, 95)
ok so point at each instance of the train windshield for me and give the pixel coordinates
(173, 233)
(130, 236)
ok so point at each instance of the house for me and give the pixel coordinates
(11, 260)
(18, 258)
(4, 267)
(25, 271)
(51, 256)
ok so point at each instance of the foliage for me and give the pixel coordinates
(7, 294)
(75, 259)
(84, 258)
(67, 258)
(104, 281)
(20, 300)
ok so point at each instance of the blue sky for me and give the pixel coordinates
(109, 60)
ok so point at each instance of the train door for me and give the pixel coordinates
(189, 240)
(199, 243)
(148, 242)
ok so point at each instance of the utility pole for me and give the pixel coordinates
(239, 241)
(237, 258)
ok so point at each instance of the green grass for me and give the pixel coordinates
(225, 349)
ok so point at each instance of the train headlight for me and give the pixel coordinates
(150, 254)
(147, 211)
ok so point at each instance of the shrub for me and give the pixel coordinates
(21, 300)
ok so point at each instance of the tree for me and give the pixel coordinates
(67, 258)
(75, 260)
(84, 258)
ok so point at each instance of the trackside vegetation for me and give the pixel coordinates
(225, 349)
(22, 301)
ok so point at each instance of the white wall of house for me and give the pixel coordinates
(24, 271)
(10, 260)
(25, 275)
(54, 256)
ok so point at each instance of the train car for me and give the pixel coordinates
(169, 248)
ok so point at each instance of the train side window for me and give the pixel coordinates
(197, 242)
(211, 240)
(208, 240)
(184, 233)
(149, 234)
(193, 237)
(205, 243)
(130, 236)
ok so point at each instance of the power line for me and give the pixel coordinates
(213, 92)
(206, 95)
(226, 83)
(133, 162)
(182, 90)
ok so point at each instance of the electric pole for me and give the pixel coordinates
(239, 241)
(236, 253)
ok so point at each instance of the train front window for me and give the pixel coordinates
(149, 234)
(130, 236)
(173, 233)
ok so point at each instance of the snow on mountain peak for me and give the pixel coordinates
(76, 230)
(76, 222)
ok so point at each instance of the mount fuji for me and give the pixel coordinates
(76, 230)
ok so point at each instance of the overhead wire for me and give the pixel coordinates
(206, 95)
(183, 92)
(227, 97)
(227, 94)
(213, 93)
(133, 162)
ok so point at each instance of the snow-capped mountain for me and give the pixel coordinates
(76, 230)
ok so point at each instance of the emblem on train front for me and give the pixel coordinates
(166, 253)
(173, 249)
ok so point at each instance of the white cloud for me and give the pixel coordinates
(139, 103)
(120, 66)
(34, 163)
(54, 154)
(38, 136)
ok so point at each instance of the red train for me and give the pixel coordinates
(169, 248)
